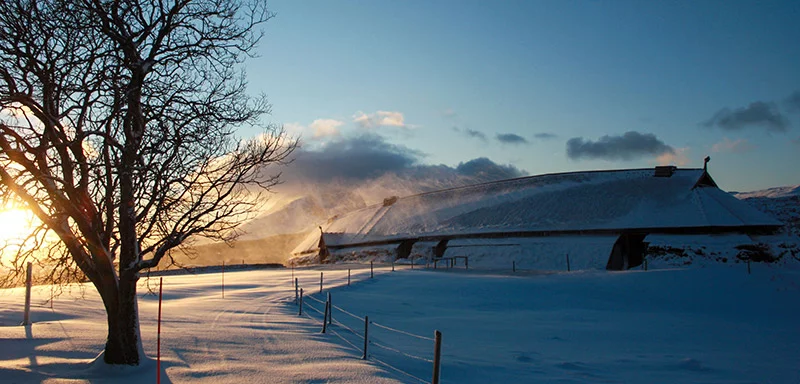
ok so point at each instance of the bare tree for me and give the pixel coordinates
(117, 130)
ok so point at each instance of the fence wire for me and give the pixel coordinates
(388, 348)
(401, 331)
(361, 337)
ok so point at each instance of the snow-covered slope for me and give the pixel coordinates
(772, 193)
(782, 203)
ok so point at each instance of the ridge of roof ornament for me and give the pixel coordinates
(705, 163)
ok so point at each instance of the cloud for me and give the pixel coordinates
(545, 135)
(471, 133)
(353, 158)
(369, 156)
(678, 157)
(326, 127)
(380, 119)
(486, 169)
(629, 146)
(757, 114)
(511, 138)
(793, 102)
(732, 146)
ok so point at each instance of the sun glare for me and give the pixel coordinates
(14, 224)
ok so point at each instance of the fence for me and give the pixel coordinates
(401, 351)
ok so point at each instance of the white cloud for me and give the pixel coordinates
(380, 119)
(294, 129)
(325, 127)
(732, 146)
(679, 157)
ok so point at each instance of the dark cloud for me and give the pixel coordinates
(629, 146)
(545, 135)
(369, 156)
(793, 102)
(757, 114)
(471, 133)
(511, 138)
(486, 169)
(354, 158)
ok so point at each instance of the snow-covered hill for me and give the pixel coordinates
(783, 203)
(773, 193)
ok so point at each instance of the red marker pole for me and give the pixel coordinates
(158, 353)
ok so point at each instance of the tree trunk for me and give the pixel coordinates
(122, 345)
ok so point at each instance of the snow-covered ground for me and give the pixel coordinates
(702, 325)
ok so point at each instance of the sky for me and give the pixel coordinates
(538, 86)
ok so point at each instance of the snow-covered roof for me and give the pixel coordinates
(563, 202)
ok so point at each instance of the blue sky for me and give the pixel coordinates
(543, 86)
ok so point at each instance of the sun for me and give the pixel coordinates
(15, 224)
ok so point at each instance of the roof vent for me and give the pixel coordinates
(389, 201)
(665, 170)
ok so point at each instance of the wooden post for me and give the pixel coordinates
(645, 263)
(52, 286)
(158, 337)
(437, 356)
(325, 316)
(330, 310)
(348, 277)
(513, 266)
(412, 263)
(223, 279)
(371, 272)
(320, 282)
(568, 269)
(292, 270)
(392, 265)
(296, 293)
(301, 303)
(26, 319)
(366, 337)
(466, 263)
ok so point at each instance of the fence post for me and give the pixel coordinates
(325, 316)
(392, 265)
(348, 277)
(26, 319)
(645, 263)
(466, 263)
(330, 313)
(437, 356)
(223, 279)
(301, 303)
(412, 263)
(320, 282)
(568, 269)
(371, 272)
(158, 337)
(513, 266)
(366, 336)
(293, 271)
(296, 286)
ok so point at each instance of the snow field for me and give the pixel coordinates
(714, 324)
